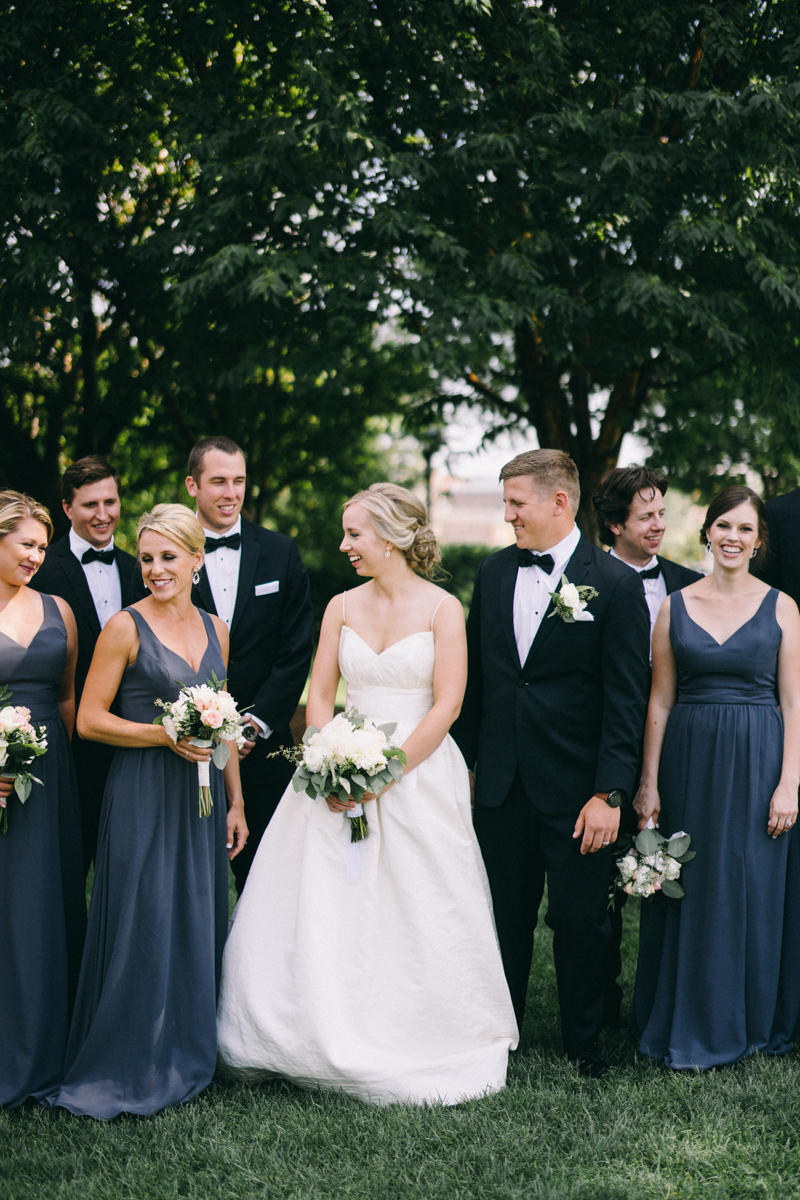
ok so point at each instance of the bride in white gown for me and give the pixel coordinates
(390, 988)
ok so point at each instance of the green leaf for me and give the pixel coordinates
(677, 846)
(389, 728)
(687, 857)
(647, 841)
(220, 756)
(22, 786)
(671, 888)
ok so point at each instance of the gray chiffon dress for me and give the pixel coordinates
(42, 905)
(143, 1034)
(717, 976)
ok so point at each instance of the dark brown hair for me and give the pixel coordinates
(732, 497)
(198, 453)
(614, 495)
(90, 469)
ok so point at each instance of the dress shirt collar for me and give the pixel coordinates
(562, 552)
(647, 566)
(79, 545)
(212, 533)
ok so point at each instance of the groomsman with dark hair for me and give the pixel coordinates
(629, 503)
(254, 581)
(551, 726)
(96, 579)
(781, 565)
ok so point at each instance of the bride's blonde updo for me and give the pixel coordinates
(400, 518)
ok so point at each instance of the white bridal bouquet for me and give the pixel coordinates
(206, 715)
(348, 758)
(653, 864)
(20, 743)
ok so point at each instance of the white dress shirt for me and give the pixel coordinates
(103, 580)
(533, 588)
(222, 569)
(655, 590)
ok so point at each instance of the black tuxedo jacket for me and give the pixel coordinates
(62, 575)
(272, 626)
(571, 717)
(781, 567)
(676, 576)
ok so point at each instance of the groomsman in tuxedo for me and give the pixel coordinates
(781, 566)
(254, 581)
(96, 579)
(629, 504)
(551, 726)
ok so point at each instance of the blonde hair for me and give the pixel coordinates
(550, 470)
(176, 522)
(399, 517)
(16, 507)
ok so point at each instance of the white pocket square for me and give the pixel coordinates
(584, 616)
(266, 589)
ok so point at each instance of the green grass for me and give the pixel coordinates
(639, 1133)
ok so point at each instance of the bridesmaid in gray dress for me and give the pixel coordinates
(143, 1034)
(42, 906)
(717, 977)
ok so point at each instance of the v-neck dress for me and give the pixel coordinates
(143, 1033)
(717, 976)
(386, 984)
(42, 904)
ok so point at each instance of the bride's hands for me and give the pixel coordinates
(782, 810)
(337, 805)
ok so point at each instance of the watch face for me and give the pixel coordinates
(616, 798)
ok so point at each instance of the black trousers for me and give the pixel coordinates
(264, 780)
(522, 846)
(92, 764)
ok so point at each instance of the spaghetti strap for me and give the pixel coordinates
(438, 606)
(344, 615)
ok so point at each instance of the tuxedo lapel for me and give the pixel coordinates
(508, 582)
(202, 595)
(125, 566)
(78, 584)
(247, 572)
(575, 571)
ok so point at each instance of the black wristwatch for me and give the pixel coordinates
(616, 798)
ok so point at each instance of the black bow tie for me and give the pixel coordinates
(233, 541)
(651, 572)
(526, 558)
(103, 556)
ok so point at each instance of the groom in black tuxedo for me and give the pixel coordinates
(552, 725)
(96, 579)
(254, 581)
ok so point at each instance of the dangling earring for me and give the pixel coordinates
(755, 552)
(388, 552)
(196, 578)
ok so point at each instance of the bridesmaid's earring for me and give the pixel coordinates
(755, 552)
(196, 578)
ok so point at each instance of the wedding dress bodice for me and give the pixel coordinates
(396, 685)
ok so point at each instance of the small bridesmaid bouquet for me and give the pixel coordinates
(653, 864)
(207, 715)
(20, 743)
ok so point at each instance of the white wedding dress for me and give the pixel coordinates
(390, 988)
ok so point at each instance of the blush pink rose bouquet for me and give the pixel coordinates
(207, 715)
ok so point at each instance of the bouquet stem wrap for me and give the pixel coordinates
(206, 802)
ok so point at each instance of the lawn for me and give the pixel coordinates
(638, 1133)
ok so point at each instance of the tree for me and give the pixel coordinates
(593, 210)
(177, 253)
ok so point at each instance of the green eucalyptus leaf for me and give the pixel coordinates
(671, 888)
(220, 756)
(389, 728)
(647, 841)
(687, 857)
(23, 786)
(677, 846)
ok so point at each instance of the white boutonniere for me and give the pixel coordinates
(570, 602)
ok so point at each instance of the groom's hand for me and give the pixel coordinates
(598, 824)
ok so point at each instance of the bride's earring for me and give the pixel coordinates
(196, 578)
(388, 552)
